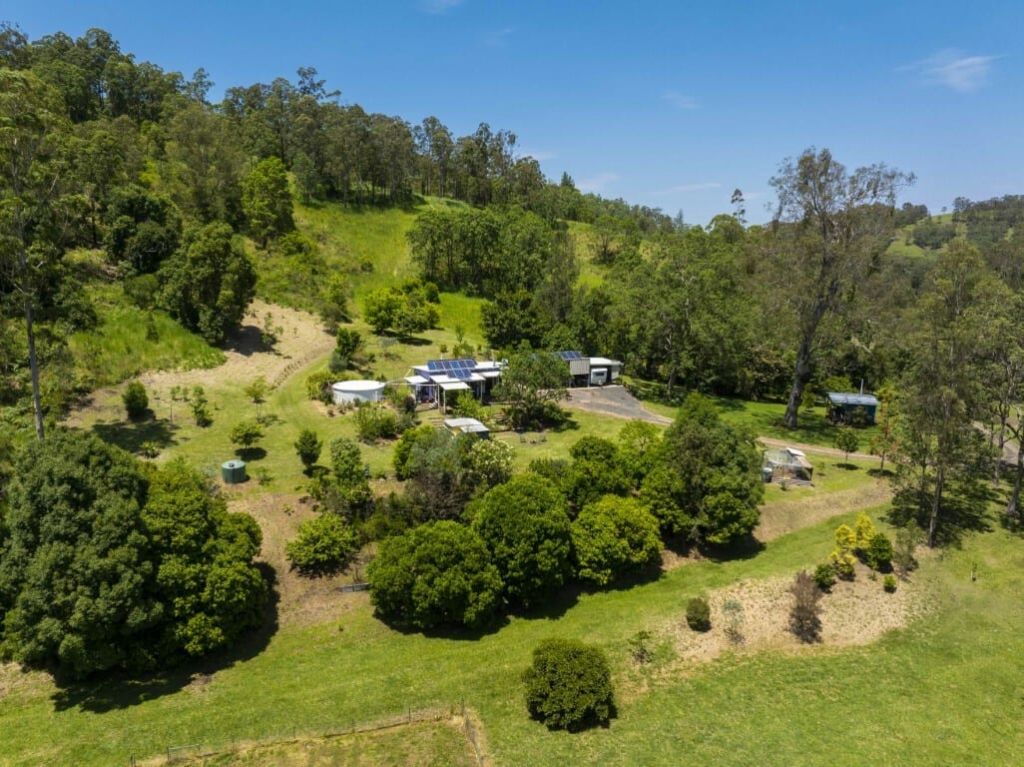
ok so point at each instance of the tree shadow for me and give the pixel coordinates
(132, 435)
(250, 454)
(847, 466)
(745, 547)
(554, 605)
(247, 340)
(881, 473)
(448, 631)
(123, 690)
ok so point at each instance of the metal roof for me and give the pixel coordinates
(847, 398)
(466, 425)
(569, 356)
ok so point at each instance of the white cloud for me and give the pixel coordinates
(597, 182)
(679, 100)
(684, 188)
(439, 6)
(954, 69)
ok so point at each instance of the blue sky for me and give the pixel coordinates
(670, 104)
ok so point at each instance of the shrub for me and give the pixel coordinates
(612, 537)
(698, 614)
(878, 555)
(825, 576)
(200, 407)
(436, 574)
(903, 551)
(846, 439)
(889, 583)
(863, 532)
(318, 386)
(526, 529)
(487, 462)
(375, 422)
(805, 615)
(136, 401)
(246, 433)
(308, 447)
(842, 558)
(324, 545)
(568, 685)
(404, 446)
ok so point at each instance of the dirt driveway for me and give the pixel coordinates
(614, 401)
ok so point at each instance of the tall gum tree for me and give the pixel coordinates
(828, 225)
(33, 125)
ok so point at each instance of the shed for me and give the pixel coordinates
(590, 371)
(353, 392)
(467, 426)
(787, 463)
(852, 408)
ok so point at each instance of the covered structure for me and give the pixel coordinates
(787, 463)
(591, 371)
(441, 381)
(467, 426)
(354, 392)
(851, 408)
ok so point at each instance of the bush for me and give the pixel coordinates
(405, 445)
(200, 407)
(698, 614)
(569, 685)
(889, 583)
(324, 545)
(136, 401)
(308, 447)
(612, 537)
(436, 574)
(526, 529)
(825, 576)
(246, 433)
(878, 555)
(318, 386)
(846, 439)
(805, 615)
(375, 422)
(842, 557)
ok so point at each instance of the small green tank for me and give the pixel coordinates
(233, 472)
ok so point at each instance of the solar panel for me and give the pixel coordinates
(435, 364)
(569, 356)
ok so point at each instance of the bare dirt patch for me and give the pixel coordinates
(302, 599)
(808, 507)
(614, 401)
(753, 616)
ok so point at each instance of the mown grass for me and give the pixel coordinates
(943, 691)
(120, 347)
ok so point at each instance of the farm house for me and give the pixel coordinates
(441, 381)
(591, 371)
(851, 408)
(787, 463)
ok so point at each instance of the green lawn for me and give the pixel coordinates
(943, 691)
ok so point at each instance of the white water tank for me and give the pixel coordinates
(351, 392)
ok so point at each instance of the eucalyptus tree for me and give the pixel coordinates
(829, 224)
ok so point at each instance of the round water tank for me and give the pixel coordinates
(233, 472)
(350, 392)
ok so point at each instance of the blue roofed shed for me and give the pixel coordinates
(852, 408)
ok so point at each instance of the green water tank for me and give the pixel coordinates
(233, 472)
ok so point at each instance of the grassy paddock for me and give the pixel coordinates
(868, 705)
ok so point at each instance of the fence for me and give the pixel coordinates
(188, 753)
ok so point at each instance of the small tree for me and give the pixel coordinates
(846, 440)
(879, 553)
(842, 557)
(640, 647)
(348, 343)
(805, 615)
(324, 545)
(308, 447)
(257, 391)
(136, 401)
(246, 434)
(698, 614)
(267, 200)
(531, 386)
(200, 407)
(612, 537)
(569, 685)
(903, 551)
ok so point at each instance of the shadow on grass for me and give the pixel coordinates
(132, 435)
(746, 547)
(250, 454)
(881, 473)
(847, 466)
(117, 691)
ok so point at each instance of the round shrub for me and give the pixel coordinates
(825, 576)
(136, 401)
(614, 536)
(889, 583)
(525, 527)
(436, 574)
(698, 614)
(569, 685)
(324, 545)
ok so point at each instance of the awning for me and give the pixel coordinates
(456, 386)
(416, 380)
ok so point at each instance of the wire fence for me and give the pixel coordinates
(192, 753)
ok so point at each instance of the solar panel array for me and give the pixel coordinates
(570, 356)
(461, 369)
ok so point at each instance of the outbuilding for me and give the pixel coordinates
(354, 392)
(591, 371)
(852, 408)
(467, 426)
(787, 463)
